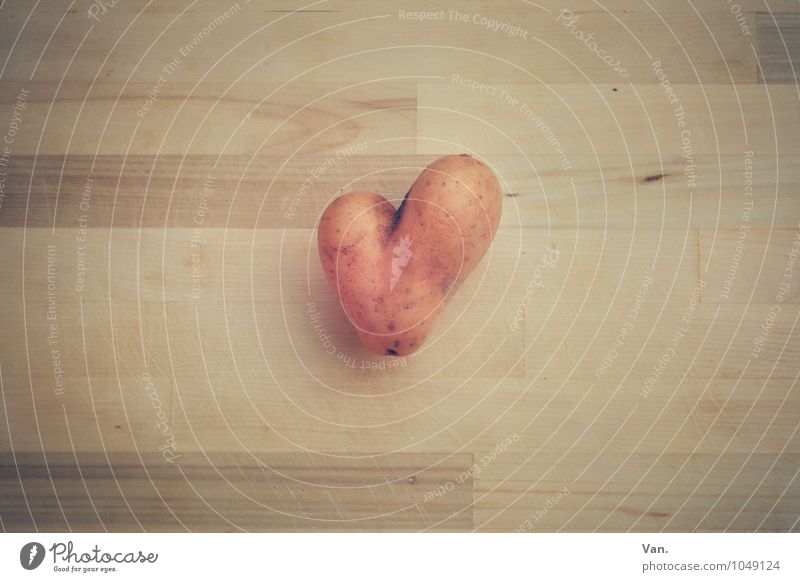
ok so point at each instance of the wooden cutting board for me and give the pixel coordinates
(625, 358)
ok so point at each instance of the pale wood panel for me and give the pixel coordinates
(570, 267)
(220, 413)
(266, 191)
(235, 492)
(213, 118)
(712, 50)
(543, 416)
(778, 48)
(524, 269)
(93, 413)
(733, 259)
(638, 493)
(647, 192)
(433, 416)
(590, 120)
(717, 342)
(271, 298)
(257, 405)
(604, 416)
(577, 6)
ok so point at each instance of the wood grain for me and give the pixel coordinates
(635, 119)
(625, 359)
(615, 192)
(778, 48)
(347, 42)
(277, 492)
(638, 492)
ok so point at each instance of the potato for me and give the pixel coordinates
(394, 271)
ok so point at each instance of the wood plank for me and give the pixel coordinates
(638, 493)
(623, 360)
(220, 413)
(570, 120)
(750, 265)
(214, 414)
(219, 282)
(92, 413)
(212, 118)
(241, 266)
(721, 341)
(235, 492)
(361, 42)
(273, 192)
(778, 47)
(604, 417)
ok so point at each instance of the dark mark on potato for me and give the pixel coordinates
(398, 214)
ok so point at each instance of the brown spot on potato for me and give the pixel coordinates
(391, 326)
(391, 352)
(398, 215)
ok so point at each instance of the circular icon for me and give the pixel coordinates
(31, 555)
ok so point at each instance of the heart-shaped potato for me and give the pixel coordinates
(394, 270)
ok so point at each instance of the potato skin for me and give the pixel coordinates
(394, 271)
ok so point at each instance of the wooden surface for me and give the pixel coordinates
(171, 358)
